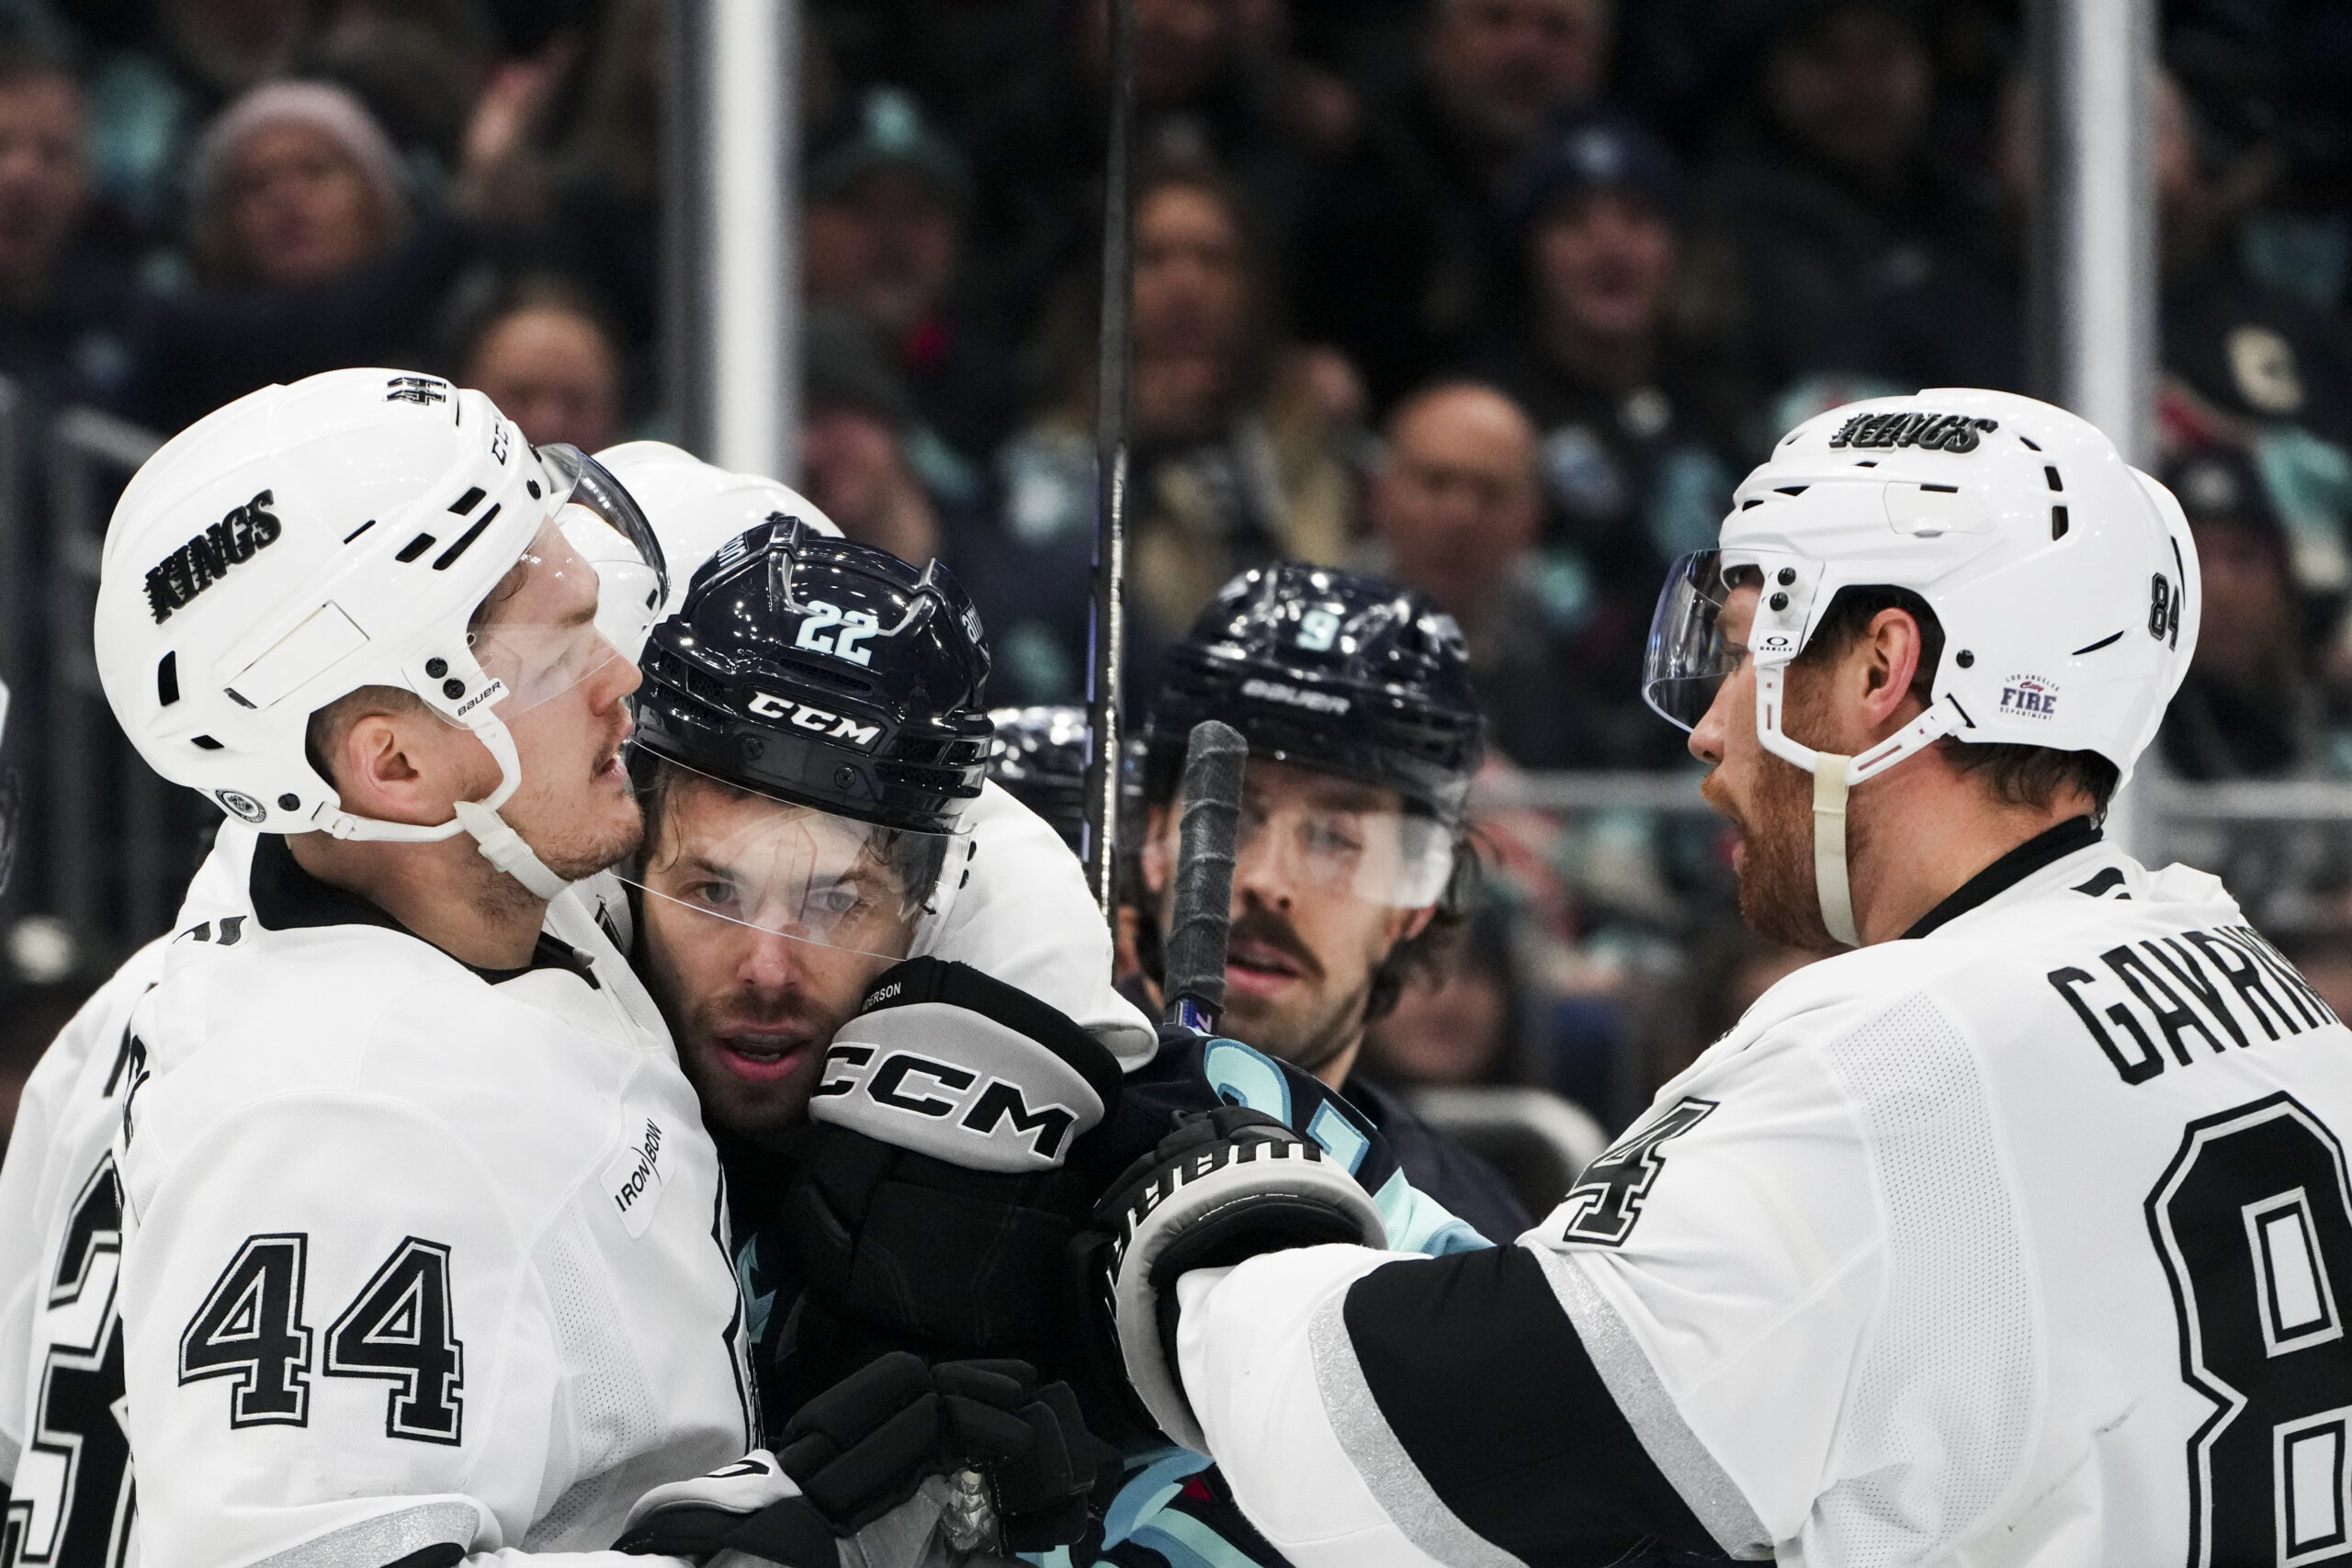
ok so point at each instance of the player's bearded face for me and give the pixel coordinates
(752, 1008)
(1768, 798)
(1303, 950)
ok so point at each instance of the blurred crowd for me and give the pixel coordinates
(1496, 297)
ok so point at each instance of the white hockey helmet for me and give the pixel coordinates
(308, 540)
(2065, 580)
(696, 507)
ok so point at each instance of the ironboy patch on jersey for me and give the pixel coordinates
(1606, 1201)
(205, 560)
(634, 1178)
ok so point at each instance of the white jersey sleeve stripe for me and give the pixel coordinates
(1372, 1448)
(1650, 1411)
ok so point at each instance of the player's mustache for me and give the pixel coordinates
(1719, 798)
(760, 1009)
(1259, 924)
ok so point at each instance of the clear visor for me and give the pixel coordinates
(719, 857)
(1383, 856)
(581, 596)
(536, 634)
(1691, 647)
(610, 531)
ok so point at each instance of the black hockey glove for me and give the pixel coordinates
(865, 1446)
(1224, 1186)
(931, 1204)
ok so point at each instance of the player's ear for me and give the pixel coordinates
(1888, 663)
(1404, 925)
(1153, 856)
(400, 767)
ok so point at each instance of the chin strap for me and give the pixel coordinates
(502, 847)
(1833, 776)
(1836, 894)
(499, 845)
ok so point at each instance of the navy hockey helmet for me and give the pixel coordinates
(1330, 670)
(825, 673)
(1039, 757)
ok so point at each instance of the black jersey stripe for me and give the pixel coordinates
(1487, 1388)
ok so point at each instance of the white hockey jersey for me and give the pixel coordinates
(64, 1456)
(419, 1256)
(2027, 1242)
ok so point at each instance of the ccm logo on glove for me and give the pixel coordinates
(947, 1062)
(1002, 1104)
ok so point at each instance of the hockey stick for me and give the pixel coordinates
(1214, 759)
(1108, 629)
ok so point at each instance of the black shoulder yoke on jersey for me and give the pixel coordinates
(2046, 848)
(287, 897)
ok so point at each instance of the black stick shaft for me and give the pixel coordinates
(1109, 630)
(1214, 759)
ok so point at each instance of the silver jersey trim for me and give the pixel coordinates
(387, 1538)
(1395, 1483)
(1649, 1410)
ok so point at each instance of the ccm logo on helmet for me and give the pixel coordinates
(1291, 696)
(938, 1092)
(204, 561)
(1936, 431)
(816, 721)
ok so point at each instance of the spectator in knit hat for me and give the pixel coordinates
(883, 234)
(311, 252)
(1635, 415)
(294, 185)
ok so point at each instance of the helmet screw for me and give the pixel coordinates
(752, 747)
(290, 803)
(844, 775)
(452, 688)
(1788, 575)
(436, 666)
(1964, 659)
(1779, 601)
